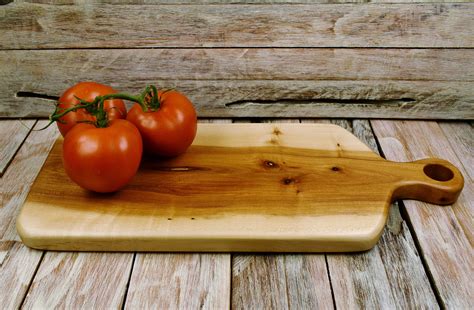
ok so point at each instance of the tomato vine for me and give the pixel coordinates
(148, 99)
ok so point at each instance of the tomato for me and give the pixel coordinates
(115, 108)
(169, 130)
(102, 159)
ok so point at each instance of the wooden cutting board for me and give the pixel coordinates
(240, 187)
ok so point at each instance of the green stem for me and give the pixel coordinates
(128, 97)
(56, 117)
(147, 99)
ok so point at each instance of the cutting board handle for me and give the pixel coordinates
(439, 182)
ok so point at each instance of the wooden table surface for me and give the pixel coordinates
(424, 258)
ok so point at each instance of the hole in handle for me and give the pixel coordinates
(438, 172)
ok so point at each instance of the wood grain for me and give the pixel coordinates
(461, 138)
(280, 281)
(389, 276)
(17, 262)
(275, 179)
(443, 233)
(27, 26)
(180, 281)
(17, 267)
(256, 82)
(25, 166)
(12, 135)
(239, 64)
(79, 280)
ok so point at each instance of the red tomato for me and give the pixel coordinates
(102, 159)
(171, 129)
(115, 108)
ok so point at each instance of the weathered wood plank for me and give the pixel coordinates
(280, 281)
(444, 233)
(27, 26)
(12, 135)
(17, 262)
(257, 82)
(284, 64)
(80, 281)
(17, 180)
(358, 99)
(17, 266)
(390, 275)
(461, 138)
(180, 281)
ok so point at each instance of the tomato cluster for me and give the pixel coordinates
(103, 144)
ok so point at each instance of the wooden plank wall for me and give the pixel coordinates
(241, 58)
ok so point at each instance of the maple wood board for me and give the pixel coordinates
(239, 187)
